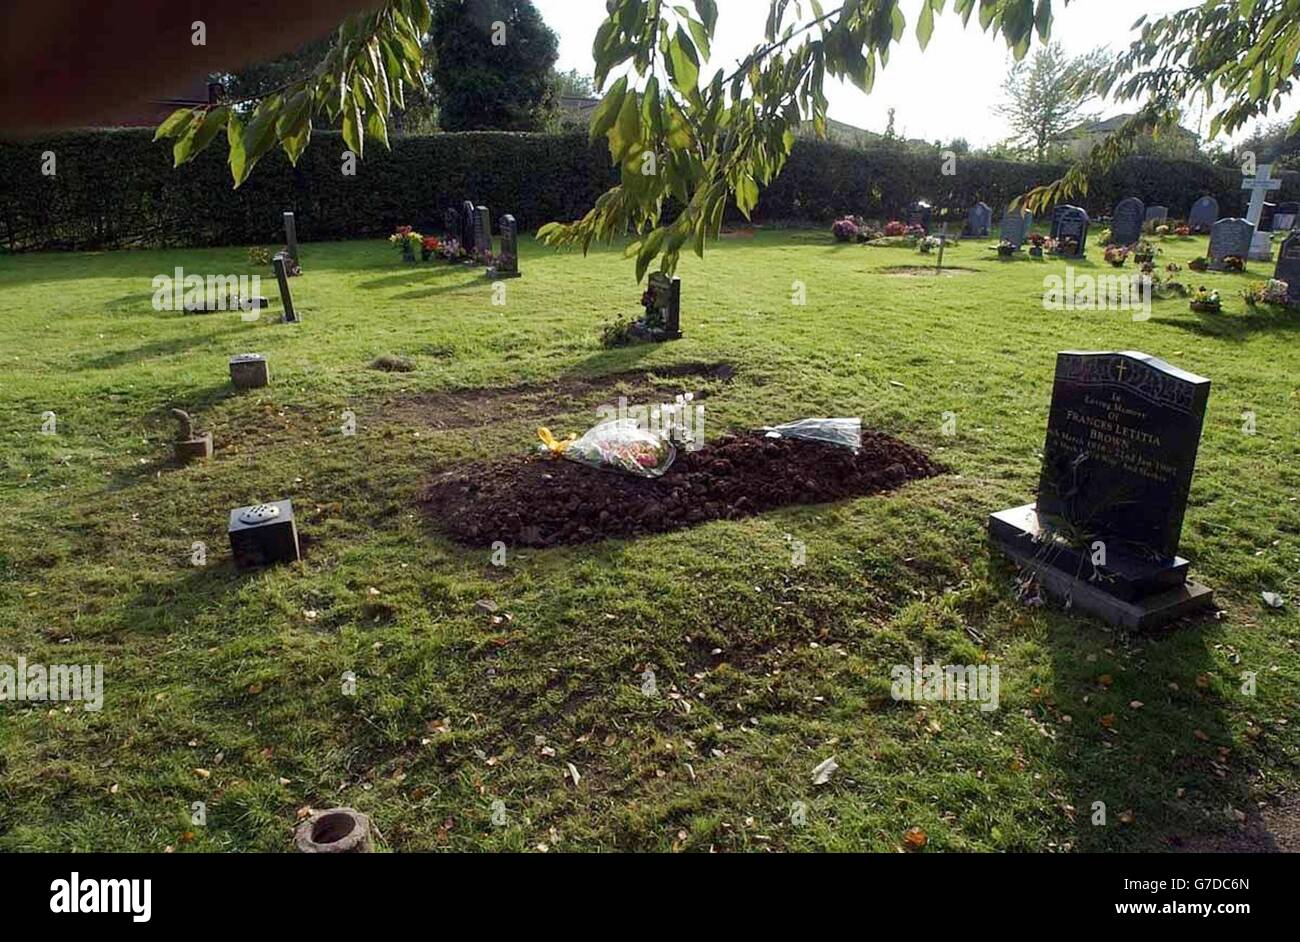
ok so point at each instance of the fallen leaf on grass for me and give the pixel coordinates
(573, 774)
(915, 838)
(1127, 816)
(1273, 600)
(824, 770)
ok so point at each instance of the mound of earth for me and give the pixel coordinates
(539, 501)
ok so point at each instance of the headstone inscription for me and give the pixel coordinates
(1285, 218)
(507, 265)
(1126, 222)
(1288, 267)
(286, 296)
(1072, 232)
(1203, 214)
(291, 243)
(482, 231)
(1156, 214)
(1122, 438)
(263, 534)
(978, 221)
(1015, 226)
(1259, 186)
(1229, 237)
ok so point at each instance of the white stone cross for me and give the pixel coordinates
(1260, 185)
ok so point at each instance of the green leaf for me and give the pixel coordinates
(352, 125)
(607, 111)
(213, 122)
(175, 123)
(708, 10)
(684, 63)
(925, 24)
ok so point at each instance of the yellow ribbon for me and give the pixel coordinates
(553, 444)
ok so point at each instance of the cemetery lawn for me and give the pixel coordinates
(226, 687)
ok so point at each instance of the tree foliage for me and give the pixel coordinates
(493, 65)
(1044, 97)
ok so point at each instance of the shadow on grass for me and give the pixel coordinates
(1235, 327)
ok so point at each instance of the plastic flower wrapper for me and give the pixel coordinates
(846, 433)
(622, 445)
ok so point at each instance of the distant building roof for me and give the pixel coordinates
(1112, 124)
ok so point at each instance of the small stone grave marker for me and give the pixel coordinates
(663, 309)
(263, 534)
(189, 443)
(978, 221)
(467, 228)
(1122, 439)
(482, 231)
(249, 371)
(1156, 214)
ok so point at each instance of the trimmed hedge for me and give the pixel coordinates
(118, 188)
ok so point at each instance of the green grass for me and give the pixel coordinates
(216, 669)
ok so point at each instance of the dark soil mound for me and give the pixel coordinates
(537, 501)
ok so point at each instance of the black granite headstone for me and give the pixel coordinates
(507, 265)
(1288, 266)
(1266, 214)
(918, 214)
(1057, 213)
(291, 244)
(280, 263)
(1126, 222)
(1285, 218)
(1072, 232)
(467, 228)
(1122, 439)
(482, 231)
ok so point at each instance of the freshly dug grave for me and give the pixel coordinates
(539, 501)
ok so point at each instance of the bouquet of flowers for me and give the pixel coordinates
(1203, 299)
(619, 445)
(1117, 255)
(406, 239)
(428, 246)
(1234, 263)
(1272, 291)
(928, 244)
(450, 249)
(895, 228)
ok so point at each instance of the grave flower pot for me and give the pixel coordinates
(1207, 307)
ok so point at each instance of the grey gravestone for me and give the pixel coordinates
(291, 243)
(663, 309)
(286, 297)
(1203, 214)
(1072, 226)
(482, 230)
(249, 370)
(1229, 237)
(263, 534)
(1126, 223)
(1156, 214)
(1285, 218)
(1122, 438)
(978, 220)
(1288, 267)
(467, 227)
(507, 265)
(1015, 227)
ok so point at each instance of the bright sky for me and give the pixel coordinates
(946, 92)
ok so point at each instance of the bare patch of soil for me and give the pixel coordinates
(473, 408)
(1275, 829)
(922, 271)
(537, 501)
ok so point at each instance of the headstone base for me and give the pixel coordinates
(1131, 594)
(1261, 247)
(494, 274)
(194, 448)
